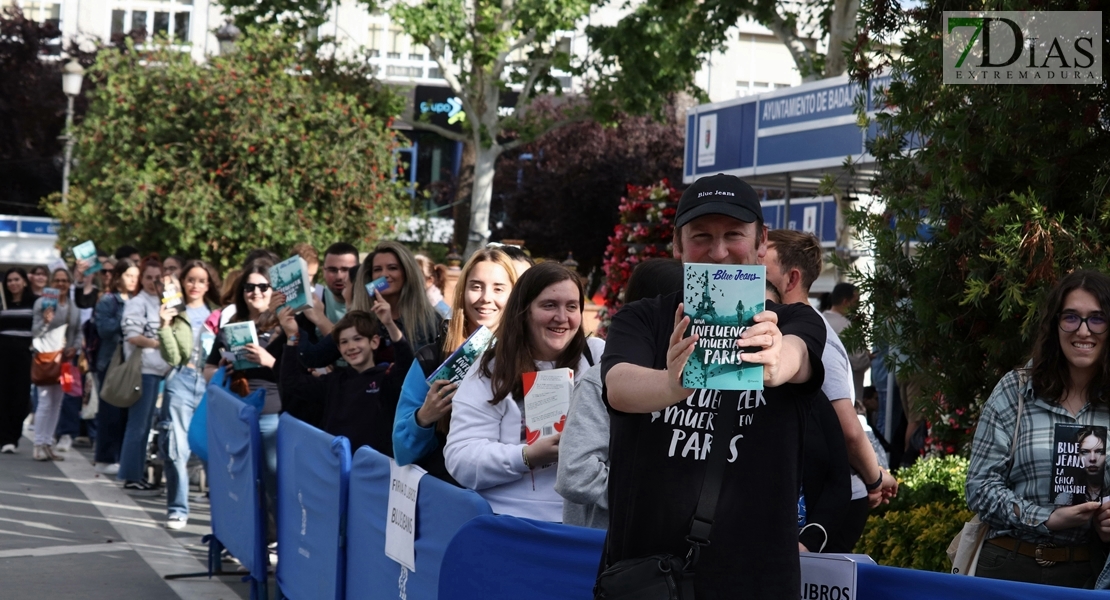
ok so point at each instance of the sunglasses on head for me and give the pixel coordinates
(250, 287)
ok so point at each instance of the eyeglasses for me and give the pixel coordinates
(338, 270)
(1071, 322)
(250, 287)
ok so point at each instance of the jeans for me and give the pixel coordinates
(47, 411)
(999, 563)
(184, 389)
(132, 458)
(69, 422)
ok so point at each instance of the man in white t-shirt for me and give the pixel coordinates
(793, 263)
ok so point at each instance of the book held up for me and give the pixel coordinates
(50, 298)
(722, 301)
(290, 277)
(87, 251)
(1078, 464)
(546, 402)
(237, 336)
(456, 366)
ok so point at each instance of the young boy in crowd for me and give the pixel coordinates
(359, 400)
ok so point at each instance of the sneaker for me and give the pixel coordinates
(8, 449)
(52, 454)
(107, 468)
(39, 453)
(176, 522)
(82, 442)
(64, 444)
(140, 488)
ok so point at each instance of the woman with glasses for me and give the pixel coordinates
(56, 333)
(1066, 382)
(252, 303)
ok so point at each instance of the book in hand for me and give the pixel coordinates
(456, 366)
(50, 297)
(380, 284)
(290, 277)
(171, 296)
(237, 336)
(87, 251)
(721, 301)
(1078, 464)
(546, 402)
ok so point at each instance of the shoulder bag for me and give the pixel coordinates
(964, 550)
(666, 576)
(123, 382)
(46, 368)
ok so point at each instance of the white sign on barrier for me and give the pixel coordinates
(400, 524)
(831, 576)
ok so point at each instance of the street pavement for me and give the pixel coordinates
(68, 532)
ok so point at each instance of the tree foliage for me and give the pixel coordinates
(582, 169)
(249, 150)
(659, 47)
(1010, 182)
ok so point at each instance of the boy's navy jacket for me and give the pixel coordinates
(360, 406)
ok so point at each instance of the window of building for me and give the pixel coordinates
(170, 19)
(41, 11)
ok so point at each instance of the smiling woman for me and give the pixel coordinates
(486, 450)
(1066, 383)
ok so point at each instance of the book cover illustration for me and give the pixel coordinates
(87, 251)
(456, 366)
(546, 402)
(171, 296)
(1078, 463)
(50, 298)
(290, 277)
(721, 301)
(238, 335)
(380, 284)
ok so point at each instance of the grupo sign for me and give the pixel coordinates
(1023, 47)
(440, 106)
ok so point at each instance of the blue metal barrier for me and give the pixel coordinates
(313, 470)
(441, 509)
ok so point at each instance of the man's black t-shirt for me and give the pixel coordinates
(657, 463)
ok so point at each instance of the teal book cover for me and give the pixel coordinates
(456, 366)
(238, 335)
(721, 301)
(290, 277)
(87, 251)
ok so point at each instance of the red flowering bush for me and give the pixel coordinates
(645, 230)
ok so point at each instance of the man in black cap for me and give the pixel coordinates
(662, 433)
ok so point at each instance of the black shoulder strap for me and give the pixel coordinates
(589, 356)
(702, 522)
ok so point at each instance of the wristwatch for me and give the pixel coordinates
(874, 486)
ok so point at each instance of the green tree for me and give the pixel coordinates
(248, 150)
(1008, 182)
(657, 49)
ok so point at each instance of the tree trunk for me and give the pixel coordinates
(484, 161)
(842, 28)
(464, 184)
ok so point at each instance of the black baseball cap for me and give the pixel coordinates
(719, 194)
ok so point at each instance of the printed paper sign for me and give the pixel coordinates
(830, 576)
(707, 140)
(400, 524)
(546, 402)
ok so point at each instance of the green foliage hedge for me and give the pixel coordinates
(914, 530)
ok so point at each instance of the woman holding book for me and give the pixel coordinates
(56, 338)
(252, 303)
(486, 449)
(16, 322)
(1066, 382)
(185, 344)
(140, 328)
(108, 318)
(404, 291)
(424, 412)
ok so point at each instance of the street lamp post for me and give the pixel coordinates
(227, 36)
(72, 77)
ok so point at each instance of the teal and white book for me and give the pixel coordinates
(87, 251)
(237, 336)
(290, 277)
(50, 297)
(721, 301)
(456, 366)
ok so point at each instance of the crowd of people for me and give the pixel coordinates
(796, 468)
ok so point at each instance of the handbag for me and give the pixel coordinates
(123, 382)
(46, 368)
(665, 576)
(965, 548)
(198, 426)
(92, 397)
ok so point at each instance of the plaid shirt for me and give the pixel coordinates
(1018, 505)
